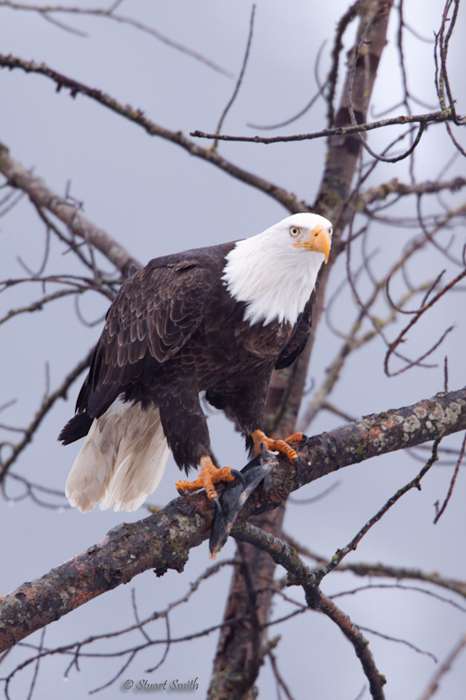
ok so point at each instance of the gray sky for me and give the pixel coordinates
(155, 199)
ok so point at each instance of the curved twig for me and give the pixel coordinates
(47, 403)
(240, 77)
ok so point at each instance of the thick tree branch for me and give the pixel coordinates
(163, 540)
(300, 575)
(241, 648)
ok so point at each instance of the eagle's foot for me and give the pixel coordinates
(282, 446)
(208, 476)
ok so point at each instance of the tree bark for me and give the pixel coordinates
(163, 540)
(242, 647)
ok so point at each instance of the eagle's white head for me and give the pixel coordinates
(276, 271)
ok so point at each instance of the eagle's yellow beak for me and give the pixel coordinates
(318, 241)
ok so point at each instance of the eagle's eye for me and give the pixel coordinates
(330, 231)
(294, 231)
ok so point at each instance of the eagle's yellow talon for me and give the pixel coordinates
(281, 446)
(208, 476)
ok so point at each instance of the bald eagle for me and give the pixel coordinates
(217, 320)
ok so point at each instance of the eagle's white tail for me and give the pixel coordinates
(121, 461)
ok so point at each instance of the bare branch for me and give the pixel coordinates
(399, 641)
(39, 305)
(288, 200)
(47, 10)
(422, 119)
(163, 540)
(300, 574)
(415, 483)
(383, 191)
(452, 483)
(42, 196)
(414, 320)
(302, 111)
(444, 668)
(380, 570)
(240, 77)
(280, 682)
(44, 408)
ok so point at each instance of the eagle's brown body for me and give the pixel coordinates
(216, 320)
(174, 331)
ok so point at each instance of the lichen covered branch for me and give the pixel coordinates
(163, 540)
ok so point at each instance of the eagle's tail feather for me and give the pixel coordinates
(121, 461)
(76, 428)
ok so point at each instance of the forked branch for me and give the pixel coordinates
(163, 540)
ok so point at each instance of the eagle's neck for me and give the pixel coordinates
(275, 281)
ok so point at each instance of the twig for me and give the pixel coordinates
(398, 586)
(288, 200)
(314, 499)
(399, 641)
(44, 408)
(452, 482)
(300, 574)
(422, 119)
(240, 78)
(39, 305)
(280, 682)
(47, 10)
(444, 668)
(36, 667)
(382, 570)
(30, 492)
(77, 224)
(351, 546)
(411, 323)
(302, 111)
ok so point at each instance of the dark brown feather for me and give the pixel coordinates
(174, 331)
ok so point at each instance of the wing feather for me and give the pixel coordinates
(154, 314)
(298, 340)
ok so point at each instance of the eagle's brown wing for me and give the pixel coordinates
(154, 314)
(298, 340)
